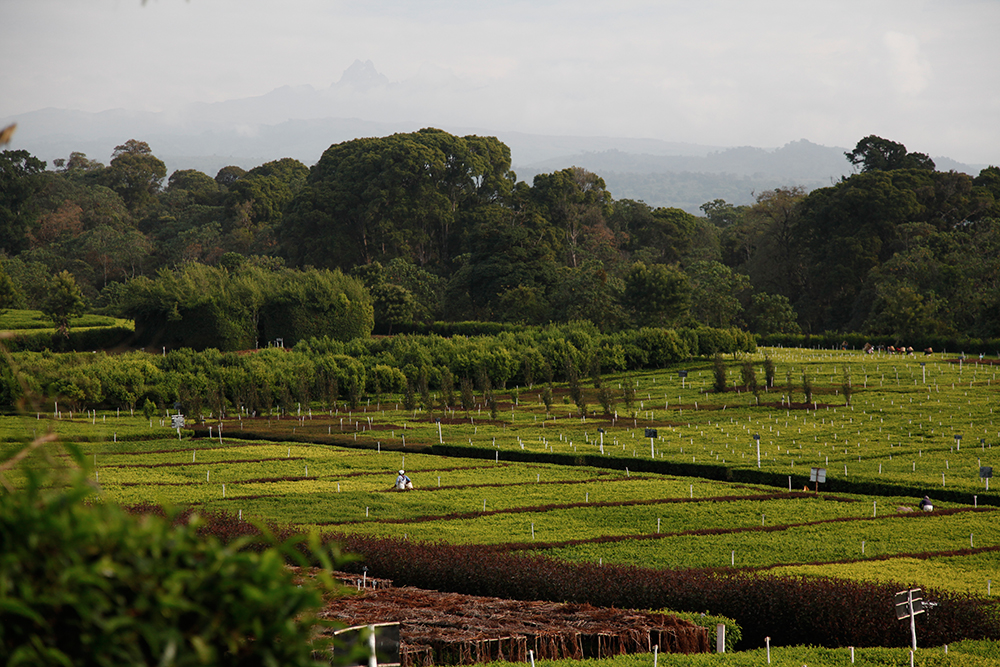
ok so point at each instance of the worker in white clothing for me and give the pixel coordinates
(403, 482)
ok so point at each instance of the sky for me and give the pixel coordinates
(925, 73)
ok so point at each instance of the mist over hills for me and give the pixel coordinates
(301, 122)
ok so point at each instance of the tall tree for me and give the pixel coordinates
(19, 171)
(874, 153)
(778, 262)
(578, 203)
(64, 301)
(135, 173)
(657, 295)
(406, 195)
(716, 292)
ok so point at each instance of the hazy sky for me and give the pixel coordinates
(720, 72)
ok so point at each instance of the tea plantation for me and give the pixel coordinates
(666, 472)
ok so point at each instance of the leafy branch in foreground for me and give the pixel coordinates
(85, 583)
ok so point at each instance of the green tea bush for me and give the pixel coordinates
(85, 583)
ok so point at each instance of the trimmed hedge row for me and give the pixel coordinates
(716, 472)
(79, 340)
(790, 610)
(856, 341)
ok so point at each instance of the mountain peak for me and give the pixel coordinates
(362, 76)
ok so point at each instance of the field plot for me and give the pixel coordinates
(575, 513)
(923, 423)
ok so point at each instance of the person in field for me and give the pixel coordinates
(926, 504)
(403, 482)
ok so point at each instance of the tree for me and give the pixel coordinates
(715, 292)
(721, 213)
(587, 292)
(135, 173)
(503, 256)
(64, 301)
(857, 225)
(407, 195)
(229, 175)
(772, 313)
(269, 188)
(777, 263)
(77, 164)
(657, 295)
(874, 153)
(10, 296)
(201, 187)
(19, 180)
(578, 203)
(116, 252)
(661, 235)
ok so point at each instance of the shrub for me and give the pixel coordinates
(769, 371)
(719, 372)
(84, 583)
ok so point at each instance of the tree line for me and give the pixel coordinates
(437, 227)
(328, 372)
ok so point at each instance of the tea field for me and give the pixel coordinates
(665, 476)
(594, 487)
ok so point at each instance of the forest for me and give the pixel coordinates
(395, 233)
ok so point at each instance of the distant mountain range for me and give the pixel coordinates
(301, 122)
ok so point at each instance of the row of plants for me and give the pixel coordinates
(789, 610)
(823, 542)
(856, 341)
(966, 570)
(328, 370)
(967, 653)
(586, 509)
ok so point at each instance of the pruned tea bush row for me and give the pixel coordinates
(791, 610)
(724, 472)
(794, 544)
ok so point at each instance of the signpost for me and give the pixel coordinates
(177, 422)
(683, 375)
(908, 605)
(756, 437)
(958, 442)
(651, 434)
(985, 472)
(817, 475)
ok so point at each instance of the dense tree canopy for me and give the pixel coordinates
(436, 226)
(407, 195)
